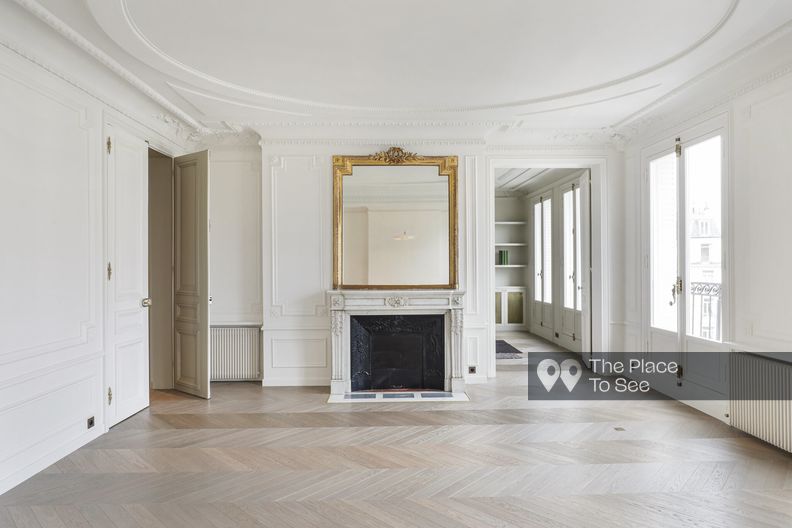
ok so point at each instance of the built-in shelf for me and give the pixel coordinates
(510, 265)
(511, 244)
(511, 223)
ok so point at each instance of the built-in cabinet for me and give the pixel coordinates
(511, 259)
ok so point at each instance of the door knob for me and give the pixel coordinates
(146, 303)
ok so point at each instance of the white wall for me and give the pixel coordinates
(421, 260)
(297, 237)
(235, 236)
(356, 247)
(51, 224)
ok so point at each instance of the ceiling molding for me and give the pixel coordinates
(200, 93)
(308, 103)
(177, 132)
(594, 102)
(638, 122)
(66, 31)
(372, 142)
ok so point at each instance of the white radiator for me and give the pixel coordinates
(236, 353)
(770, 420)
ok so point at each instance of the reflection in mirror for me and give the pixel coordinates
(395, 226)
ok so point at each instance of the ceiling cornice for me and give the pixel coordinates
(66, 31)
(308, 104)
(642, 120)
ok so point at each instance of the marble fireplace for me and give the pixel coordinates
(396, 340)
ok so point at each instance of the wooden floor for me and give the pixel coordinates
(284, 458)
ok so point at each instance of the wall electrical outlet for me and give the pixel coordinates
(90, 422)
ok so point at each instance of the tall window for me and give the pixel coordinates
(703, 233)
(663, 252)
(572, 249)
(543, 251)
(537, 240)
(547, 246)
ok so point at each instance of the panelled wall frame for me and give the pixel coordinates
(677, 145)
(595, 243)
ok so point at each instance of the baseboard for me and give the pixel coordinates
(292, 382)
(42, 463)
(475, 379)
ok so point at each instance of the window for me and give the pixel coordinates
(705, 253)
(547, 249)
(572, 249)
(663, 241)
(703, 179)
(543, 251)
(569, 248)
(537, 219)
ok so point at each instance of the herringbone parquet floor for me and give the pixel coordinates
(254, 457)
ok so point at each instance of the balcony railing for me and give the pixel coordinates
(705, 310)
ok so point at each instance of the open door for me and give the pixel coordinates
(126, 273)
(191, 277)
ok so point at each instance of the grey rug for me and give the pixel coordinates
(504, 350)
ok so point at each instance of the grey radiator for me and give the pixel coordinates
(770, 420)
(236, 353)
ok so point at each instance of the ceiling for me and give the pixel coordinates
(538, 63)
(524, 181)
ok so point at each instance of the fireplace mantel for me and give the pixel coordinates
(345, 303)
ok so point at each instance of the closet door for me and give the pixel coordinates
(127, 345)
(191, 277)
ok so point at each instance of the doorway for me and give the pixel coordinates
(539, 279)
(157, 272)
(684, 282)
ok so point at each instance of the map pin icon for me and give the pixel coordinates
(547, 379)
(570, 379)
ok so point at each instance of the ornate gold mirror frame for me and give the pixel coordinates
(395, 156)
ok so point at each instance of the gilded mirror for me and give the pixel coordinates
(395, 221)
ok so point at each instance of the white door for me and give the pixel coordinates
(542, 267)
(127, 357)
(571, 305)
(685, 245)
(191, 277)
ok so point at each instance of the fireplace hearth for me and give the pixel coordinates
(398, 352)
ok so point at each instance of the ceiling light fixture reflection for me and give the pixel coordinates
(403, 236)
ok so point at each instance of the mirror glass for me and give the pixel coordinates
(395, 226)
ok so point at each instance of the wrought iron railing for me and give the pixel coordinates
(705, 310)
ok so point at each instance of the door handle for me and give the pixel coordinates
(676, 289)
(146, 303)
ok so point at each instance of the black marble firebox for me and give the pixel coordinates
(397, 352)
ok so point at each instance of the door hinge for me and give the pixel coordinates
(679, 286)
(678, 147)
(680, 374)
(109, 271)
(109, 395)
(109, 144)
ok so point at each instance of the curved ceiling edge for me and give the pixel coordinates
(126, 15)
(199, 93)
(594, 102)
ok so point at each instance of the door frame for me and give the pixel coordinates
(596, 244)
(155, 141)
(714, 126)
(111, 131)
